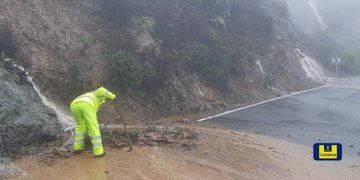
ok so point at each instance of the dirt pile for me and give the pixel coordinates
(55, 154)
(152, 136)
(172, 136)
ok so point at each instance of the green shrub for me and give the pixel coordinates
(123, 11)
(269, 81)
(128, 73)
(211, 37)
(133, 133)
(146, 22)
(2, 59)
(126, 70)
(211, 63)
(88, 40)
(77, 70)
(250, 45)
(29, 149)
(324, 52)
(351, 62)
(79, 80)
(148, 71)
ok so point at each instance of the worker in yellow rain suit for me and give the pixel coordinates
(84, 109)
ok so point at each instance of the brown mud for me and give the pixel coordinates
(218, 154)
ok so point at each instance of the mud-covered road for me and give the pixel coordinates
(220, 154)
(328, 114)
(270, 141)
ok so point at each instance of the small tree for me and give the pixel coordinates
(125, 70)
(128, 73)
(213, 64)
(2, 59)
(77, 70)
(351, 61)
(269, 81)
(146, 22)
(87, 40)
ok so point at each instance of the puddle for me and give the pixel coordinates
(143, 163)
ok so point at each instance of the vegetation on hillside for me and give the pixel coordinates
(77, 70)
(172, 55)
(351, 62)
(2, 59)
(129, 74)
(210, 38)
(340, 38)
(325, 52)
(87, 40)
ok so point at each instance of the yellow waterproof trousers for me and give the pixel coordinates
(86, 121)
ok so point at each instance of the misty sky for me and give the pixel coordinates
(340, 16)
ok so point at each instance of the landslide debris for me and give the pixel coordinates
(152, 136)
(166, 135)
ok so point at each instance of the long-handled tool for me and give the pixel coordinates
(120, 117)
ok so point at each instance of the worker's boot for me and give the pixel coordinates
(77, 152)
(99, 156)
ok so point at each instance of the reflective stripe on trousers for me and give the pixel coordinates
(96, 141)
(86, 121)
(79, 141)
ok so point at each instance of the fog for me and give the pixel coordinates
(338, 18)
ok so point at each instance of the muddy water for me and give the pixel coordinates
(220, 155)
(143, 163)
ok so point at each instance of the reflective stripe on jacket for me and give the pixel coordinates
(96, 98)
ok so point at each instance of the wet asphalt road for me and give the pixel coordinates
(329, 114)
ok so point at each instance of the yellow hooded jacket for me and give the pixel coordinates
(95, 98)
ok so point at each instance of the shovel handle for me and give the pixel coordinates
(122, 119)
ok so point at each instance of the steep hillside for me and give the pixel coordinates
(165, 57)
(338, 18)
(332, 26)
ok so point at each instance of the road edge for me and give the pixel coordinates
(259, 103)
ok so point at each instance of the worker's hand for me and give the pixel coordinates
(114, 100)
(117, 100)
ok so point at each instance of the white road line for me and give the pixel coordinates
(263, 102)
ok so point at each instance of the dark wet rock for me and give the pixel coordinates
(7, 170)
(24, 120)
